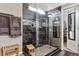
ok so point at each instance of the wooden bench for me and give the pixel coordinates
(30, 48)
(0, 51)
(10, 50)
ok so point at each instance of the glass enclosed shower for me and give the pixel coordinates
(41, 29)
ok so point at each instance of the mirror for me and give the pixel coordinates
(71, 26)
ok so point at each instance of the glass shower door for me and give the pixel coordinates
(54, 27)
(56, 32)
(42, 32)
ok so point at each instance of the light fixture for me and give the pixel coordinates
(41, 12)
(37, 10)
(49, 15)
(32, 9)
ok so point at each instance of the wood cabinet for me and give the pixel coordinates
(15, 26)
(4, 24)
(10, 25)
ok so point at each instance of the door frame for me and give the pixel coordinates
(62, 23)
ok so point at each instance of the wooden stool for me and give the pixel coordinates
(30, 48)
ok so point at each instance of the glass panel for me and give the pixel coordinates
(42, 30)
(46, 45)
(29, 30)
(54, 27)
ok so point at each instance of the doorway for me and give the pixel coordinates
(69, 39)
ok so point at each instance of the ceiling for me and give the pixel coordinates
(46, 6)
(27, 14)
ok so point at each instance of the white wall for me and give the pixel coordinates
(14, 9)
(11, 8)
(78, 27)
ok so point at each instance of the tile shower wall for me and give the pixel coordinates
(14, 9)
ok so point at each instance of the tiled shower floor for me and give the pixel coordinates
(43, 50)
